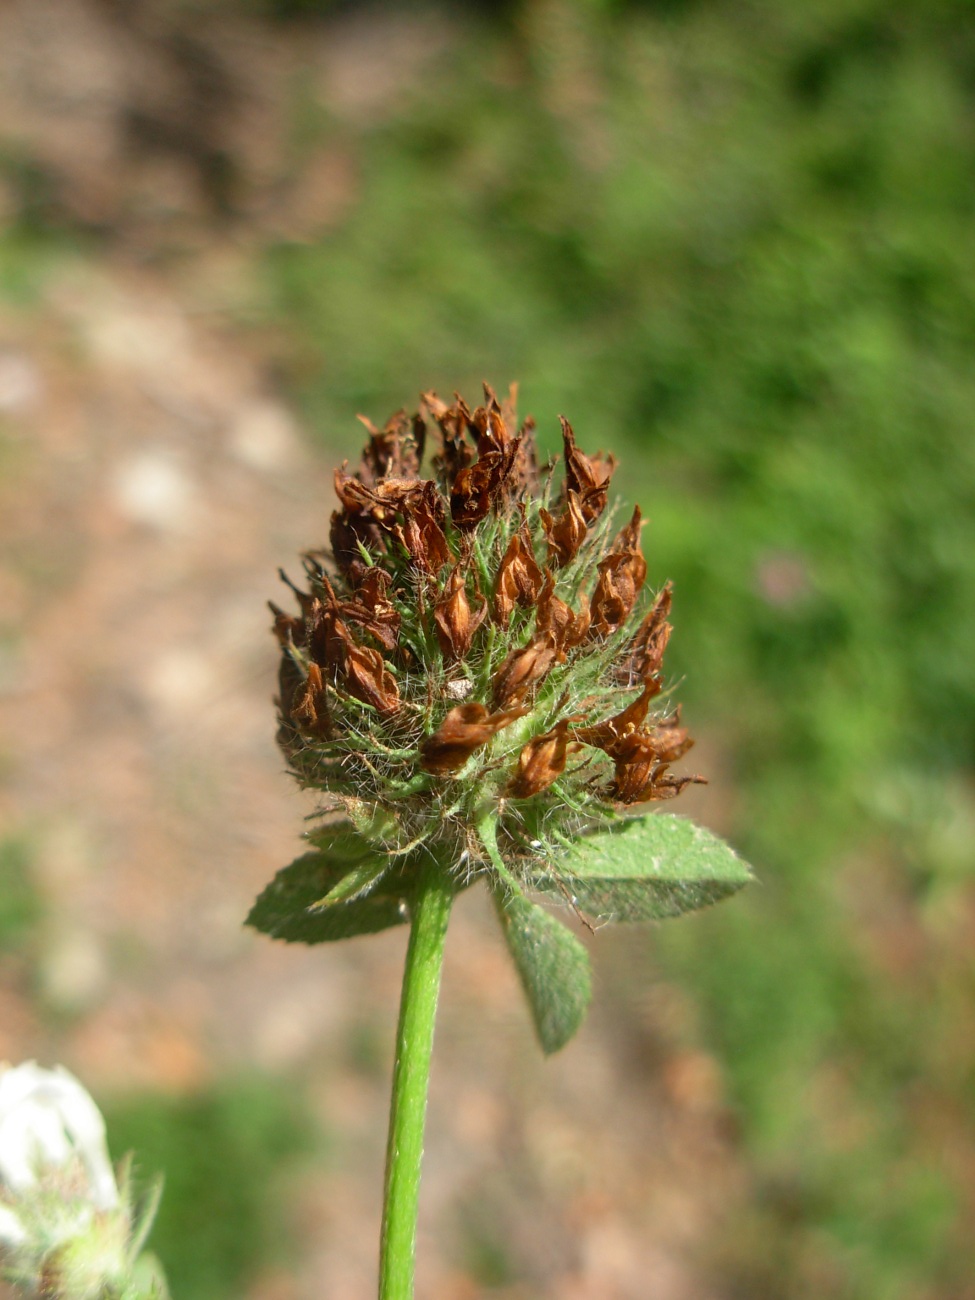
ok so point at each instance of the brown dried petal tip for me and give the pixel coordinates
(422, 531)
(393, 452)
(519, 579)
(647, 650)
(309, 706)
(368, 679)
(464, 730)
(523, 668)
(456, 622)
(566, 533)
(621, 576)
(541, 762)
(588, 476)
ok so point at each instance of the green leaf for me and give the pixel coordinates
(342, 842)
(648, 868)
(552, 963)
(287, 907)
(359, 881)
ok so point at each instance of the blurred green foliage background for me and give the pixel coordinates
(733, 242)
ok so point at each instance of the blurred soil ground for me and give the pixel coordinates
(152, 479)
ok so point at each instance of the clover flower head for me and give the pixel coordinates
(478, 650)
(473, 678)
(67, 1229)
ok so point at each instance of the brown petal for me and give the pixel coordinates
(523, 668)
(328, 637)
(452, 423)
(636, 762)
(368, 679)
(472, 491)
(371, 585)
(348, 531)
(541, 762)
(621, 576)
(608, 735)
(383, 501)
(566, 533)
(489, 426)
(464, 730)
(642, 759)
(525, 479)
(638, 786)
(588, 477)
(667, 786)
(555, 616)
(521, 472)
(287, 629)
(309, 704)
(393, 452)
(456, 623)
(648, 646)
(509, 406)
(519, 579)
(371, 609)
(422, 533)
(477, 487)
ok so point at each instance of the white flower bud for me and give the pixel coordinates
(48, 1120)
(12, 1232)
(65, 1227)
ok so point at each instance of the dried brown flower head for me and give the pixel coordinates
(440, 674)
(474, 680)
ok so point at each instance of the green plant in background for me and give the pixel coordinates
(228, 1149)
(20, 906)
(476, 687)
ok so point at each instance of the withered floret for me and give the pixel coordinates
(519, 578)
(456, 621)
(473, 630)
(541, 762)
(465, 729)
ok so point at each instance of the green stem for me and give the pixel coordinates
(411, 1078)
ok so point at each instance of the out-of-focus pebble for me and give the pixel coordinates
(20, 383)
(263, 436)
(73, 970)
(153, 489)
